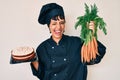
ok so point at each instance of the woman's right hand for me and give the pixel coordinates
(35, 64)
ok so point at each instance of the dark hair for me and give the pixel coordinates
(56, 18)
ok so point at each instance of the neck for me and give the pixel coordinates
(56, 40)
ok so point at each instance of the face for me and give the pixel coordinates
(57, 28)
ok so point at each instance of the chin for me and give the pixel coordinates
(58, 36)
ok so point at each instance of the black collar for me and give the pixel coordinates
(61, 42)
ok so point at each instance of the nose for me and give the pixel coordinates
(58, 25)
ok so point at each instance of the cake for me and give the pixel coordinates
(23, 53)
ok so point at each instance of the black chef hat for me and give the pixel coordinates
(49, 11)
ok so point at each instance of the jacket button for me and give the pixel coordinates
(52, 47)
(65, 59)
(55, 74)
(53, 61)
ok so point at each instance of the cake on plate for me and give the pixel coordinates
(23, 53)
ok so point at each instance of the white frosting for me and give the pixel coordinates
(21, 51)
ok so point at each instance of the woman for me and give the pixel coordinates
(59, 56)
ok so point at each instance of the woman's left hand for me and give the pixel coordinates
(91, 26)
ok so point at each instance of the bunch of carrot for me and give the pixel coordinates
(89, 49)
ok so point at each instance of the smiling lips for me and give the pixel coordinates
(58, 32)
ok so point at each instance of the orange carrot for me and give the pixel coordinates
(93, 49)
(96, 46)
(87, 55)
(89, 51)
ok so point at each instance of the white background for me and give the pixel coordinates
(19, 27)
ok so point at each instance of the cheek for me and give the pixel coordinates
(63, 28)
(51, 28)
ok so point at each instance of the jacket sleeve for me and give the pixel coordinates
(101, 51)
(35, 72)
